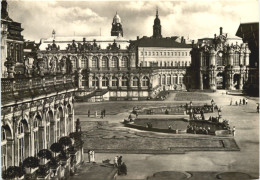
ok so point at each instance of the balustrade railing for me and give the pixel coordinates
(9, 85)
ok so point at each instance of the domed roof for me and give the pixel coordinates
(116, 19)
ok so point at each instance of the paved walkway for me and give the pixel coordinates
(245, 118)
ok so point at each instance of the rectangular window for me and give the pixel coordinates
(179, 53)
(149, 53)
(172, 53)
(153, 53)
(142, 53)
(186, 54)
(164, 53)
(157, 53)
(175, 53)
(182, 53)
(146, 53)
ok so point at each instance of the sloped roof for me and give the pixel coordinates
(160, 42)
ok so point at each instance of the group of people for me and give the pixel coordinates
(118, 162)
(198, 130)
(102, 114)
(91, 156)
(243, 101)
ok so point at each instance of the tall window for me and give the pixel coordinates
(174, 79)
(205, 60)
(3, 148)
(20, 142)
(35, 136)
(168, 79)
(83, 62)
(114, 81)
(219, 58)
(163, 80)
(124, 81)
(18, 51)
(94, 61)
(104, 62)
(145, 81)
(48, 131)
(135, 81)
(236, 59)
(104, 82)
(124, 62)
(95, 82)
(73, 62)
(58, 129)
(114, 62)
(181, 79)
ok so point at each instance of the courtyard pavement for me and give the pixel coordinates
(141, 166)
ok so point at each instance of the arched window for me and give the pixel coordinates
(168, 79)
(145, 81)
(236, 59)
(114, 82)
(124, 81)
(114, 62)
(95, 82)
(3, 148)
(104, 81)
(20, 142)
(174, 79)
(84, 62)
(104, 62)
(94, 62)
(135, 81)
(205, 60)
(124, 61)
(3, 137)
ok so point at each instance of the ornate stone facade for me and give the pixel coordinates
(221, 64)
(37, 109)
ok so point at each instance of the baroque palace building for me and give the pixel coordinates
(114, 68)
(221, 62)
(37, 111)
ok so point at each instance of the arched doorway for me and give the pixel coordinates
(23, 139)
(205, 81)
(220, 80)
(236, 80)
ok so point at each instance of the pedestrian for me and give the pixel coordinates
(93, 156)
(236, 103)
(231, 102)
(116, 161)
(88, 113)
(89, 153)
(136, 115)
(104, 113)
(96, 114)
(123, 169)
(240, 102)
(233, 131)
(119, 160)
(257, 108)
(246, 101)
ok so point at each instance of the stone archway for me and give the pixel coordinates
(220, 80)
(7, 146)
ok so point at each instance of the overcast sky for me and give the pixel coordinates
(193, 18)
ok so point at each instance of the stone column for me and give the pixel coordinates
(241, 59)
(119, 81)
(110, 80)
(230, 81)
(90, 61)
(201, 81)
(140, 81)
(246, 59)
(178, 78)
(212, 77)
(241, 82)
(132, 60)
(230, 57)
(79, 78)
(109, 61)
(99, 61)
(100, 82)
(119, 61)
(201, 59)
(90, 82)
(131, 81)
(212, 57)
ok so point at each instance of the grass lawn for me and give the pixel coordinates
(191, 96)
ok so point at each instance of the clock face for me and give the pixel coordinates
(220, 54)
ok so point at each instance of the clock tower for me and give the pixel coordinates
(157, 26)
(117, 29)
